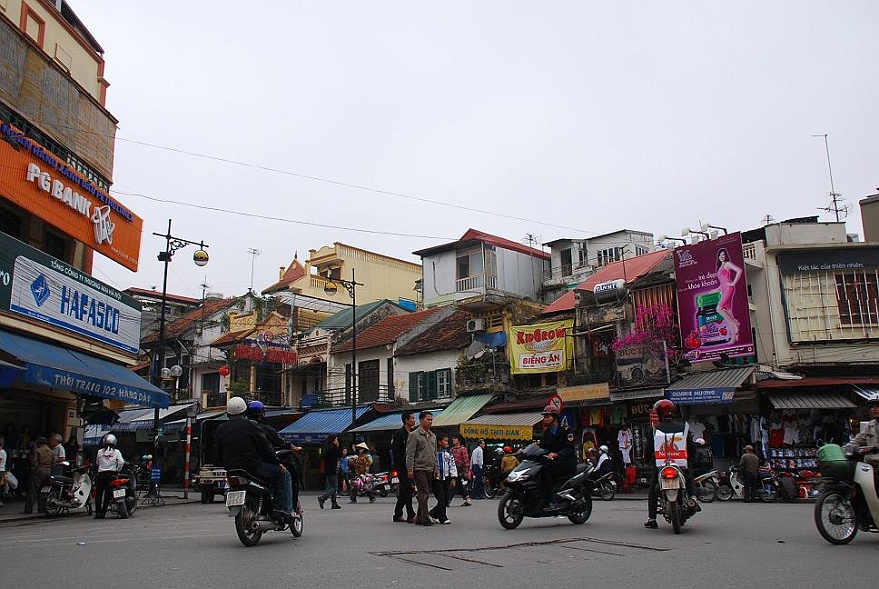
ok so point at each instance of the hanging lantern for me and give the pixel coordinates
(224, 371)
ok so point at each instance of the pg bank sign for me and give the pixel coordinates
(41, 183)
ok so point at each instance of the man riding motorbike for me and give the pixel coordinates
(604, 464)
(870, 437)
(561, 455)
(667, 427)
(242, 445)
(256, 412)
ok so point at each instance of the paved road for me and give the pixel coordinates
(193, 545)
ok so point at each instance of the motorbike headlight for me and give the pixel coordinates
(516, 476)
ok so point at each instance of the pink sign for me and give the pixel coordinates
(713, 299)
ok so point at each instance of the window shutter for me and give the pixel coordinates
(413, 387)
(431, 385)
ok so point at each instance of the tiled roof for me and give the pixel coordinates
(180, 326)
(474, 236)
(386, 331)
(294, 272)
(630, 269)
(231, 337)
(448, 334)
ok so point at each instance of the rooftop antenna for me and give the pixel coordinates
(253, 255)
(767, 219)
(835, 200)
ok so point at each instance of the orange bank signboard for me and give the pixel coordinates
(42, 184)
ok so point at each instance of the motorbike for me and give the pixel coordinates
(492, 480)
(362, 485)
(123, 492)
(250, 501)
(66, 494)
(604, 486)
(706, 486)
(381, 483)
(730, 485)
(522, 497)
(675, 504)
(848, 501)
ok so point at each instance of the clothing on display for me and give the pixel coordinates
(624, 441)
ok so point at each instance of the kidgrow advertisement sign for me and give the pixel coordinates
(543, 347)
(713, 299)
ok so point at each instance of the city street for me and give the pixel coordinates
(194, 545)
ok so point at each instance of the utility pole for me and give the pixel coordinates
(253, 255)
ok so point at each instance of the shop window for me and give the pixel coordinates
(857, 297)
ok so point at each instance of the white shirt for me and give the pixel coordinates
(60, 454)
(109, 459)
(476, 457)
(2, 460)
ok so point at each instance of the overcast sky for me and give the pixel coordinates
(397, 125)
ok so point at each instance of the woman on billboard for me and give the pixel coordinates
(728, 275)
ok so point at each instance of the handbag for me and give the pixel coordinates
(11, 481)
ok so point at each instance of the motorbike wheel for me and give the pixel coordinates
(490, 490)
(675, 515)
(582, 514)
(383, 493)
(510, 512)
(724, 492)
(122, 509)
(243, 520)
(296, 526)
(50, 499)
(131, 504)
(707, 491)
(607, 491)
(835, 517)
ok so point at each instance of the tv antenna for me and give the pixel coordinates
(835, 198)
(253, 255)
(767, 219)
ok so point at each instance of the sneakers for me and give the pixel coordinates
(372, 499)
(651, 523)
(434, 520)
(466, 503)
(336, 506)
(399, 519)
(446, 521)
(321, 501)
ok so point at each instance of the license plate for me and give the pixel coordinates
(45, 489)
(395, 480)
(235, 498)
(118, 493)
(670, 484)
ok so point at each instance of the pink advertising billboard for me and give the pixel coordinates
(713, 299)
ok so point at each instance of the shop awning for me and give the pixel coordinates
(502, 426)
(710, 386)
(635, 394)
(389, 422)
(868, 393)
(461, 409)
(800, 400)
(47, 365)
(315, 426)
(146, 420)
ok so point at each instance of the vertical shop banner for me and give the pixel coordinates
(544, 347)
(640, 366)
(713, 299)
(38, 286)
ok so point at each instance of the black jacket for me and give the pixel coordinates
(560, 440)
(272, 436)
(398, 449)
(331, 459)
(242, 445)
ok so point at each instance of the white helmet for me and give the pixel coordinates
(602, 449)
(236, 406)
(109, 440)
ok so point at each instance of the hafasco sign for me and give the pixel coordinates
(45, 186)
(38, 286)
(544, 347)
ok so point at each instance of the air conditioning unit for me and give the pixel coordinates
(474, 325)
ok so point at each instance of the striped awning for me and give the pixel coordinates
(709, 386)
(390, 422)
(868, 393)
(462, 409)
(809, 401)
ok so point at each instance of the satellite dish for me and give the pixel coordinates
(475, 350)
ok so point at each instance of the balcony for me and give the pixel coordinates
(477, 283)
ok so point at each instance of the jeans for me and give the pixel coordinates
(331, 487)
(478, 486)
(282, 485)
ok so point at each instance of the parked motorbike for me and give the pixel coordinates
(363, 484)
(524, 499)
(675, 503)
(123, 492)
(605, 486)
(849, 501)
(730, 485)
(65, 494)
(381, 483)
(706, 486)
(250, 501)
(492, 480)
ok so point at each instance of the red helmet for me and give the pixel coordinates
(551, 410)
(507, 449)
(664, 408)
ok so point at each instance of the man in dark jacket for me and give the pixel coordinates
(256, 412)
(561, 455)
(398, 461)
(242, 445)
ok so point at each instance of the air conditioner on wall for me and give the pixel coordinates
(474, 325)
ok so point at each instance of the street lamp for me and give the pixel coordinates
(200, 258)
(687, 231)
(707, 226)
(667, 238)
(331, 289)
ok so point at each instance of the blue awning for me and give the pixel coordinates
(54, 367)
(315, 426)
(391, 421)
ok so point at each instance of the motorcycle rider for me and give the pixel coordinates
(110, 462)
(604, 464)
(242, 445)
(869, 437)
(256, 412)
(667, 426)
(558, 441)
(362, 464)
(704, 461)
